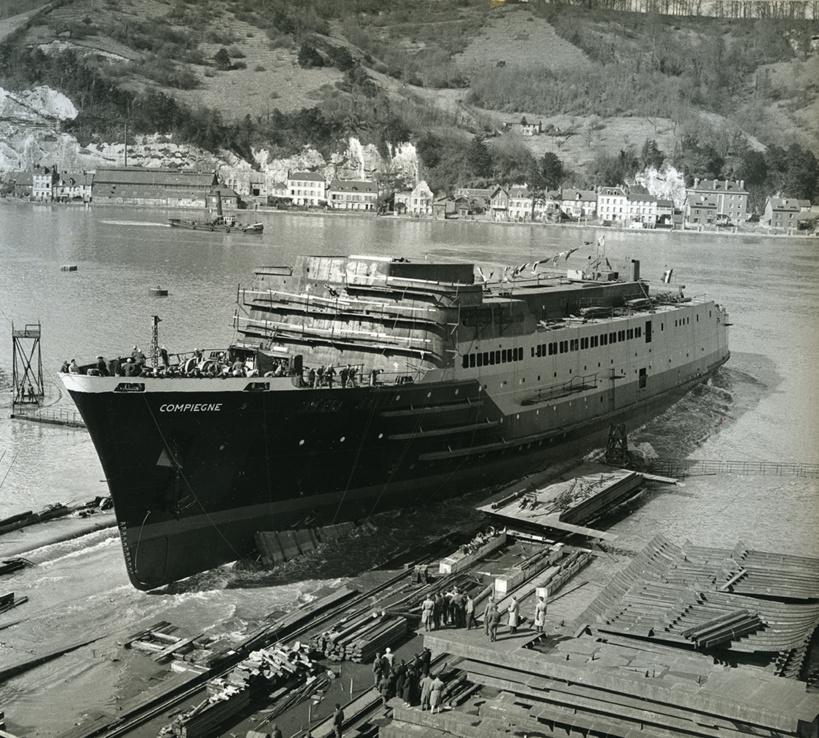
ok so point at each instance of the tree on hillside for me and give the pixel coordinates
(801, 174)
(222, 59)
(479, 158)
(652, 155)
(309, 56)
(752, 168)
(511, 159)
(551, 170)
(429, 149)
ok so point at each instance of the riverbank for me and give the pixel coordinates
(759, 232)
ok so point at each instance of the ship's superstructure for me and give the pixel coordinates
(363, 383)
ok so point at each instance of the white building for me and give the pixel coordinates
(307, 188)
(352, 194)
(43, 184)
(73, 186)
(612, 204)
(642, 209)
(418, 201)
(578, 203)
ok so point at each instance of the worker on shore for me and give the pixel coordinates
(400, 678)
(338, 721)
(73, 367)
(494, 622)
(426, 690)
(514, 614)
(410, 686)
(426, 613)
(487, 610)
(540, 614)
(469, 611)
(378, 669)
(387, 659)
(276, 732)
(435, 694)
(102, 367)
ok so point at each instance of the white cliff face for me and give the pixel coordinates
(30, 136)
(666, 183)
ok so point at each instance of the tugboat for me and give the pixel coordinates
(217, 222)
(362, 383)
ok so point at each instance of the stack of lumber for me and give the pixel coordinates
(158, 640)
(723, 629)
(472, 552)
(9, 566)
(275, 670)
(360, 638)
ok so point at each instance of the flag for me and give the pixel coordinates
(667, 275)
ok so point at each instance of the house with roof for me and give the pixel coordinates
(477, 197)
(578, 203)
(22, 184)
(74, 186)
(222, 198)
(520, 203)
(417, 201)
(43, 183)
(784, 212)
(700, 210)
(160, 187)
(641, 209)
(499, 203)
(730, 198)
(307, 188)
(612, 204)
(665, 214)
(352, 194)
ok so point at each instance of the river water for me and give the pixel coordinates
(761, 406)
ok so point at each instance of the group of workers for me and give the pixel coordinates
(492, 616)
(451, 609)
(413, 682)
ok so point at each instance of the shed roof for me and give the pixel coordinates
(583, 195)
(306, 176)
(353, 185)
(154, 176)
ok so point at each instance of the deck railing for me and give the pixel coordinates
(704, 467)
(51, 416)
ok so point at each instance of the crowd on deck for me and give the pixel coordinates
(219, 364)
(413, 682)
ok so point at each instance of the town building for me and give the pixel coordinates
(499, 203)
(642, 210)
(43, 183)
(665, 214)
(700, 210)
(244, 182)
(784, 212)
(520, 203)
(22, 183)
(730, 198)
(417, 201)
(307, 188)
(222, 199)
(530, 129)
(159, 187)
(74, 186)
(352, 194)
(277, 192)
(612, 205)
(578, 203)
(477, 197)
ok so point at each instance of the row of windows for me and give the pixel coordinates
(581, 344)
(504, 356)
(490, 358)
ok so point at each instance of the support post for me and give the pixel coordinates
(27, 366)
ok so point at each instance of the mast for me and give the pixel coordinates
(155, 321)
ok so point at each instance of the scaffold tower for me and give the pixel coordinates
(27, 365)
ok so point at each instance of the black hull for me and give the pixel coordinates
(191, 488)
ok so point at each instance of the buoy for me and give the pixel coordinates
(158, 291)
(68, 268)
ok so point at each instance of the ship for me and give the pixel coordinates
(359, 384)
(223, 223)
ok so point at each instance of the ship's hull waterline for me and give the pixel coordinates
(195, 475)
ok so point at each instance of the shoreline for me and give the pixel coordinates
(318, 212)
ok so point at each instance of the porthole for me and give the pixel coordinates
(342, 439)
(380, 436)
(397, 397)
(301, 442)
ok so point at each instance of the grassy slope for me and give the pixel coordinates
(476, 41)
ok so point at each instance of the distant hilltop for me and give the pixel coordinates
(797, 9)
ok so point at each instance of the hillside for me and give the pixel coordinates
(277, 76)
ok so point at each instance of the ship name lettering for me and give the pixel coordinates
(191, 407)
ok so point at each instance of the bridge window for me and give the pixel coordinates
(630, 333)
(480, 359)
(594, 341)
(564, 347)
(465, 361)
(497, 357)
(584, 343)
(648, 331)
(471, 360)
(642, 378)
(604, 339)
(638, 332)
(613, 337)
(539, 351)
(621, 335)
(552, 349)
(573, 346)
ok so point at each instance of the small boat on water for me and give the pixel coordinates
(158, 291)
(224, 223)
